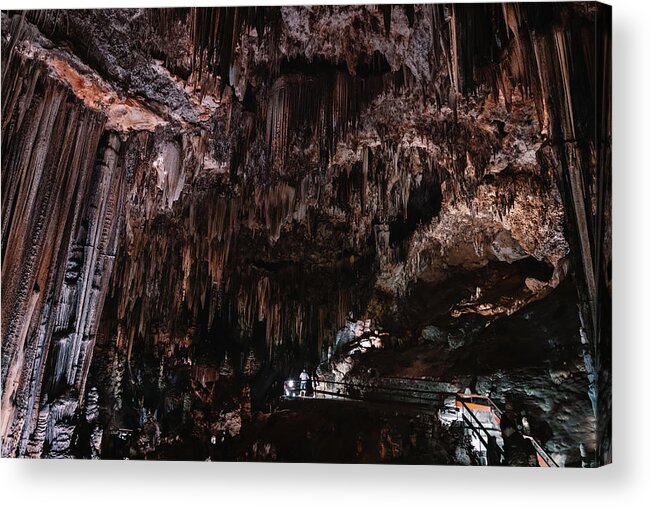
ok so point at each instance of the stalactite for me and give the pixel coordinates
(313, 156)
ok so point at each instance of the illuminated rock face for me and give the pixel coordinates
(197, 200)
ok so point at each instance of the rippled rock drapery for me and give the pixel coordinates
(197, 199)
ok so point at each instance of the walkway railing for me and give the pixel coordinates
(368, 392)
(470, 405)
(472, 402)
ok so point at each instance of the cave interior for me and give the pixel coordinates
(199, 204)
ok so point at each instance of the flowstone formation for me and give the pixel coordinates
(199, 202)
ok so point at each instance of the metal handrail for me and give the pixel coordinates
(364, 389)
(544, 455)
(540, 450)
(384, 388)
(480, 425)
(475, 430)
(483, 397)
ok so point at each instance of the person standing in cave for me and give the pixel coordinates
(518, 451)
(314, 383)
(473, 384)
(304, 377)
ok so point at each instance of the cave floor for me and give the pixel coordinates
(348, 431)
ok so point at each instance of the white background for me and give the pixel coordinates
(626, 482)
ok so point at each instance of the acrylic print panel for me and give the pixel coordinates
(349, 234)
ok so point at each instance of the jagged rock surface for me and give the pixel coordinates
(197, 200)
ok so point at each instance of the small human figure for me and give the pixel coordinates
(518, 451)
(304, 377)
(315, 384)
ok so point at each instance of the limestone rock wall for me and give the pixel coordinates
(210, 194)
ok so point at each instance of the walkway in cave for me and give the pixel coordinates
(479, 415)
